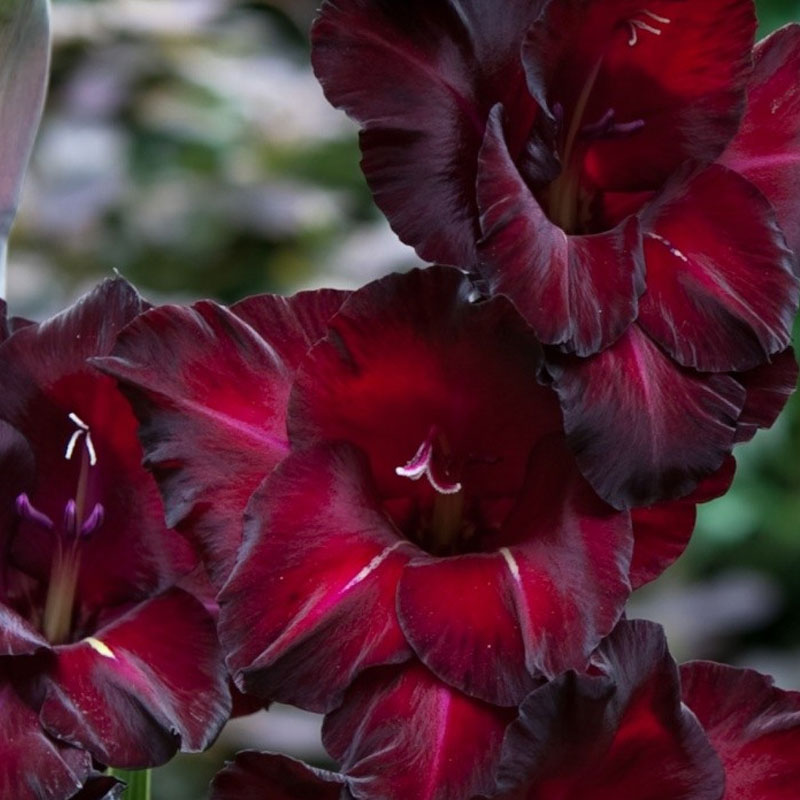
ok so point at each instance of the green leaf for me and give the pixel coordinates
(138, 780)
(24, 68)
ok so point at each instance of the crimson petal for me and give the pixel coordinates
(33, 766)
(579, 292)
(721, 290)
(401, 733)
(766, 150)
(448, 63)
(311, 601)
(661, 532)
(214, 424)
(268, 776)
(142, 687)
(620, 731)
(539, 606)
(754, 727)
(686, 81)
(667, 427)
(769, 387)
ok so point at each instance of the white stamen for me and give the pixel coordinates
(100, 647)
(637, 25)
(662, 20)
(83, 430)
(73, 440)
(90, 448)
(78, 421)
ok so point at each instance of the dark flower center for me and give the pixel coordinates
(444, 517)
(77, 525)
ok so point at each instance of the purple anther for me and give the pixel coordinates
(608, 128)
(71, 518)
(27, 511)
(558, 115)
(93, 521)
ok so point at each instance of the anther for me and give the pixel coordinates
(422, 463)
(71, 519)
(607, 127)
(29, 512)
(93, 521)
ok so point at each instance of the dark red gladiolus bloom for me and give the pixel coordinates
(429, 504)
(565, 151)
(103, 658)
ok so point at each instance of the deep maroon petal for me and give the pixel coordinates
(33, 766)
(766, 150)
(268, 776)
(101, 787)
(17, 636)
(213, 425)
(401, 733)
(642, 428)
(662, 531)
(447, 64)
(142, 687)
(579, 292)
(311, 601)
(17, 469)
(684, 78)
(46, 379)
(619, 732)
(413, 351)
(753, 726)
(721, 290)
(769, 387)
(539, 606)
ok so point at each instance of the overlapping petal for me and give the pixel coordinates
(142, 687)
(753, 726)
(721, 289)
(402, 733)
(618, 731)
(33, 765)
(766, 149)
(214, 425)
(268, 776)
(667, 427)
(558, 282)
(448, 63)
(311, 602)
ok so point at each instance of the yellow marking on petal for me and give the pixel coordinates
(100, 647)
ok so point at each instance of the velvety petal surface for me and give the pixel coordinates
(538, 606)
(413, 352)
(311, 601)
(721, 289)
(680, 67)
(766, 150)
(662, 531)
(447, 64)
(401, 733)
(618, 732)
(268, 776)
(578, 292)
(754, 726)
(214, 424)
(148, 684)
(34, 766)
(769, 388)
(667, 427)
(45, 379)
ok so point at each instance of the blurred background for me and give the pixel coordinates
(187, 145)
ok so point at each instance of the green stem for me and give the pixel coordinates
(139, 782)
